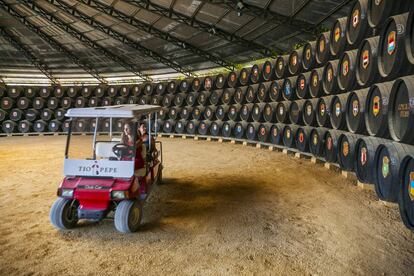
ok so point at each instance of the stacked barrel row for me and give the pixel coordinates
(347, 97)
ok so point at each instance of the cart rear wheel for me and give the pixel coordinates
(63, 214)
(128, 215)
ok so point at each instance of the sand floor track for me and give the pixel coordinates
(224, 209)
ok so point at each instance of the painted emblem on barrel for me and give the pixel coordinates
(322, 45)
(288, 133)
(345, 148)
(281, 110)
(280, 65)
(302, 84)
(411, 186)
(244, 75)
(308, 54)
(385, 166)
(268, 69)
(255, 71)
(207, 83)
(337, 109)
(294, 60)
(330, 74)
(329, 143)
(233, 77)
(287, 88)
(391, 43)
(355, 108)
(322, 109)
(309, 109)
(378, 2)
(365, 59)
(301, 137)
(274, 132)
(355, 18)
(315, 80)
(376, 105)
(262, 131)
(315, 139)
(345, 67)
(363, 157)
(337, 33)
(268, 110)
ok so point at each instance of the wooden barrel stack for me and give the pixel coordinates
(347, 97)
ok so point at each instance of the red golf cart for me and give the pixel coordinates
(111, 171)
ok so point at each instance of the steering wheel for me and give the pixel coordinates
(122, 150)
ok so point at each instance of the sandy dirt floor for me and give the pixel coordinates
(224, 209)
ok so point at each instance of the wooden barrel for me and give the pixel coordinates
(204, 127)
(72, 92)
(59, 114)
(168, 100)
(81, 102)
(39, 103)
(317, 142)
(263, 132)
(281, 70)
(295, 112)
(121, 100)
(202, 97)
(9, 126)
(401, 110)
(30, 92)
(210, 112)
(316, 83)
(185, 113)
(346, 150)
(330, 75)
(106, 101)
(331, 145)
(100, 91)
(302, 85)
(308, 56)
(387, 164)
(251, 131)
(269, 112)
(155, 100)
(66, 125)
(184, 85)
(168, 126)
(174, 113)
(243, 76)
(112, 91)
(196, 84)
(239, 130)
(263, 92)
(323, 113)
(219, 81)
(215, 128)
(355, 111)
(14, 92)
(367, 62)
(15, 114)
(180, 126)
(409, 40)
(54, 126)
(379, 11)
(289, 133)
(338, 37)
(46, 114)
(222, 112)
(282, 112)
(309, 112)
(276, 133)
(234, 112)
(295, 62)
(365, 149)
(254, 74)
(157, 126)
(323, 52)
(266, 70)
(190, 99)
(289, 89)
(231, 79)
(124, 91)
(215, 97)
(58, 92)
(86, 92)
(392, 57)
(198, 113)
(3, 115)
(40, 126)
(246, 112)
(240, 95)
(24, 126)
(347, 70)
(207, 83)
(251, 93)
(357, 27)
(228, 96)
(23, 103)
(7, 103)
(376, 109)
(338, 111)
(302, 138)
(406, 195)
(32, 114)
(52, 103)
(172, 86)
(275, 90)
(257, 112)
(163, 112)
(227, 129)
(148, 88)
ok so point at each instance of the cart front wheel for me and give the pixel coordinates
(63, 214)
(128, 215)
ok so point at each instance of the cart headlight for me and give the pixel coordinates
(118, 194)
(67, 193)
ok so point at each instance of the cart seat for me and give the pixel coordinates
(104, 149)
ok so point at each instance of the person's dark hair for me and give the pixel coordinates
(124, 138)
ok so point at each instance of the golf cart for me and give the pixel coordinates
(116, 175)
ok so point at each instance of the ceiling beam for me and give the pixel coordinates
(73, 10)
(29, 54)
(148, 28)
(52, 42)
(83, 38)
(212, 29)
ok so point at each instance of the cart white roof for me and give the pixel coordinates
(114, 111)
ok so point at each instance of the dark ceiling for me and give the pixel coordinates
(83, 41)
